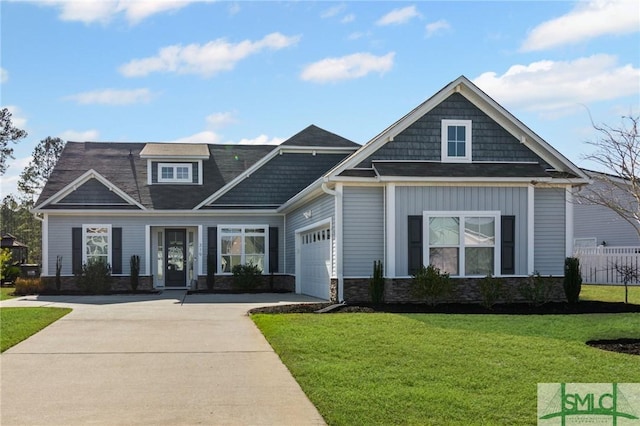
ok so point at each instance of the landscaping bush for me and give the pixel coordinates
(572, 279)
(58, 272)
(8, 271)
(490, 290)
(376, 283)
(24, 286)
(430, 285)
(135, 271)
(95, 277)
(535, 289)
(246, 277)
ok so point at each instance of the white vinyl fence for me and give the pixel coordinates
(608, 265)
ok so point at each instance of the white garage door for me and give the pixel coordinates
(315, 263)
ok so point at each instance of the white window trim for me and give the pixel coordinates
(243, 227)
(175, 166)
(109, 240)
(444, 143)
(461, 254)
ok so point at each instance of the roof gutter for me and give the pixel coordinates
(326, 189)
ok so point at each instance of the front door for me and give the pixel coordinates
(175, 253)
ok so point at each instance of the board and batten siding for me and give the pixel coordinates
(133, 234)
(321, 208)
(363, 229)
(549, 231)
(414, 200)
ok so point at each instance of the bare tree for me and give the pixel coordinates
(45, 157)
(617, 150)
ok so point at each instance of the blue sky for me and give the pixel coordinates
(259, 72)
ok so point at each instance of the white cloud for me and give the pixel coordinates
(347, 67)
(261, 140)
(234, 9)
(104, 11)
(202, 137)
(76, 136)
(12, 175)
(586, 21)
(348, 18)
(4, 75)
(112, 97)
(561, 86)
(437, 27)
(333, 11)
(399, 16)
(221, 119)
(208, 59)
(17, 119)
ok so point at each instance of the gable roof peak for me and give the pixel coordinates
(314, 136)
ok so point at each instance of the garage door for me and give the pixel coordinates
(315, 263)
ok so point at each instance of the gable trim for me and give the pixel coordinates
(481, 100)
(80, 180)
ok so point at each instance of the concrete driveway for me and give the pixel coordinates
(155, 359)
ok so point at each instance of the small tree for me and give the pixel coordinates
(617, 150)
(58, 272)
(8, 133)
(376, 283)
(135, 271)
(245, 277)
(36, 174)
(572, 279)
(430, 284)
(628, 273)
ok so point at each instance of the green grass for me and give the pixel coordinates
(6, 293)
(610, 293)
(443, 369)
(16, 324)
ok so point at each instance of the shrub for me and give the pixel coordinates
(95, 277)
(572, 279)
(245, 277)
(211, 271)
(8, 271)
(58, 272)
(430, 284)
(376, 283)
(26, 286)
(490, 290)
(535, 289)
(135, 271)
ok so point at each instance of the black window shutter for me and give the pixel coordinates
(273, 249)
(116, 251)
(508, 245)
(415, 243)
(76, 250)
(212, 247)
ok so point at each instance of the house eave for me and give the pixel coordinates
(209, 212)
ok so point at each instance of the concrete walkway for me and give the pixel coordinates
(168, 359)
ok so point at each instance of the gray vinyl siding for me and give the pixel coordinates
(549, 231)
(414, 200)
(363, 229)
(321, 208)
(133, 234)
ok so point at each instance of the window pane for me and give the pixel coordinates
(254, 231)
(444, 231)
(231, 231)
(231, 245)
(182, 173)
(254, 245)
(97, 246)
(445, 259)
(460, 148)
(479, 231)
(228, 262)
(256, 260)
(478, 261)
(460, 133)
(167, 173)
(451, 133)
(451, 150)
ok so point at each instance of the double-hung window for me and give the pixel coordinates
(97, 243)
(462, 243)
(175, 173)
(242, 245)
(456, 141)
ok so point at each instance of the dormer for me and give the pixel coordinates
(174, 163)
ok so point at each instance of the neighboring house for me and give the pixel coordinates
(458, 182)
(597, 225)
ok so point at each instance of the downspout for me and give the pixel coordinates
(337, 232)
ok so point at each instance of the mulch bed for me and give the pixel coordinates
(625, 346)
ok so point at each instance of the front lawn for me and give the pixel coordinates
(6, 293)
(610, 293)
(443, 369)
(16, 324)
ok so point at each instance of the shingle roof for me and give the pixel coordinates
(315, 136)
(428, 169)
